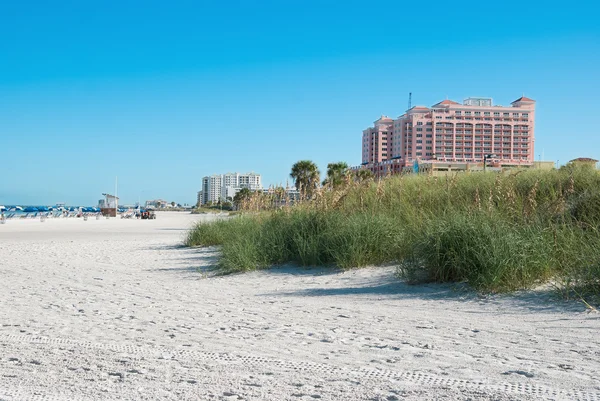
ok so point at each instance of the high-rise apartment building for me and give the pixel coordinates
(377, 141)
(211, 188)
(452, 132)
(223, 186)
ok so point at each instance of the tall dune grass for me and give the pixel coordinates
(499, 232)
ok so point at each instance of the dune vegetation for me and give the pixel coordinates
(497, 231)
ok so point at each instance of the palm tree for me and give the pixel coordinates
(278, 196)
(335, 174)
(242, 197)
(306, 176)
(363, 175)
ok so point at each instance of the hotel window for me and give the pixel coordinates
(467, 113)
(428, 141)
(525, 115)
(496, 114)
(458, 113)
(506, 114)
(418, 153)
(516, 115)
(419, 135)
(419, 147)
(419, 123)
(438, 117)
(486, 113)
(477, 113)
(419, 141)
(419, 129)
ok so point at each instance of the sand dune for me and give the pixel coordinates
(117, 309)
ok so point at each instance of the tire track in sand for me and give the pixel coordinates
(364, 374)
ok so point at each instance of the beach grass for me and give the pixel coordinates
(498, 232)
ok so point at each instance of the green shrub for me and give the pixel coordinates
(499, 232)
(209, 233)
(586, 209)
(489, 254)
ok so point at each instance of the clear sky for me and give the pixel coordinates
(162, 93)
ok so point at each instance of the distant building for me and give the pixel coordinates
(225, 186)
(157, 203)
(584, 161)
(377, 141)
(543, 165)
(450, 132)
(211, 188)
(283, 196)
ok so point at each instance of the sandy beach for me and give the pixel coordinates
(118, 309)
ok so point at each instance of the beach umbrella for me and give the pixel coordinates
(30, 209)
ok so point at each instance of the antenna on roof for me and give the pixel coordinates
(409, 100)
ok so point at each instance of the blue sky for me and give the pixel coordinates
(162, 94)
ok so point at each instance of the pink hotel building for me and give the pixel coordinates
(450, 132)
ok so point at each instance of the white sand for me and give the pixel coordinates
(114, 309)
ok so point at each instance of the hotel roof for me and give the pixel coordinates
(446, 102)
(584, 160)
(524, 99)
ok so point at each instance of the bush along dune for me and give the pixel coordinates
(498, 232)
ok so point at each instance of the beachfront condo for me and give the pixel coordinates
(223, 186)
(450, 132)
